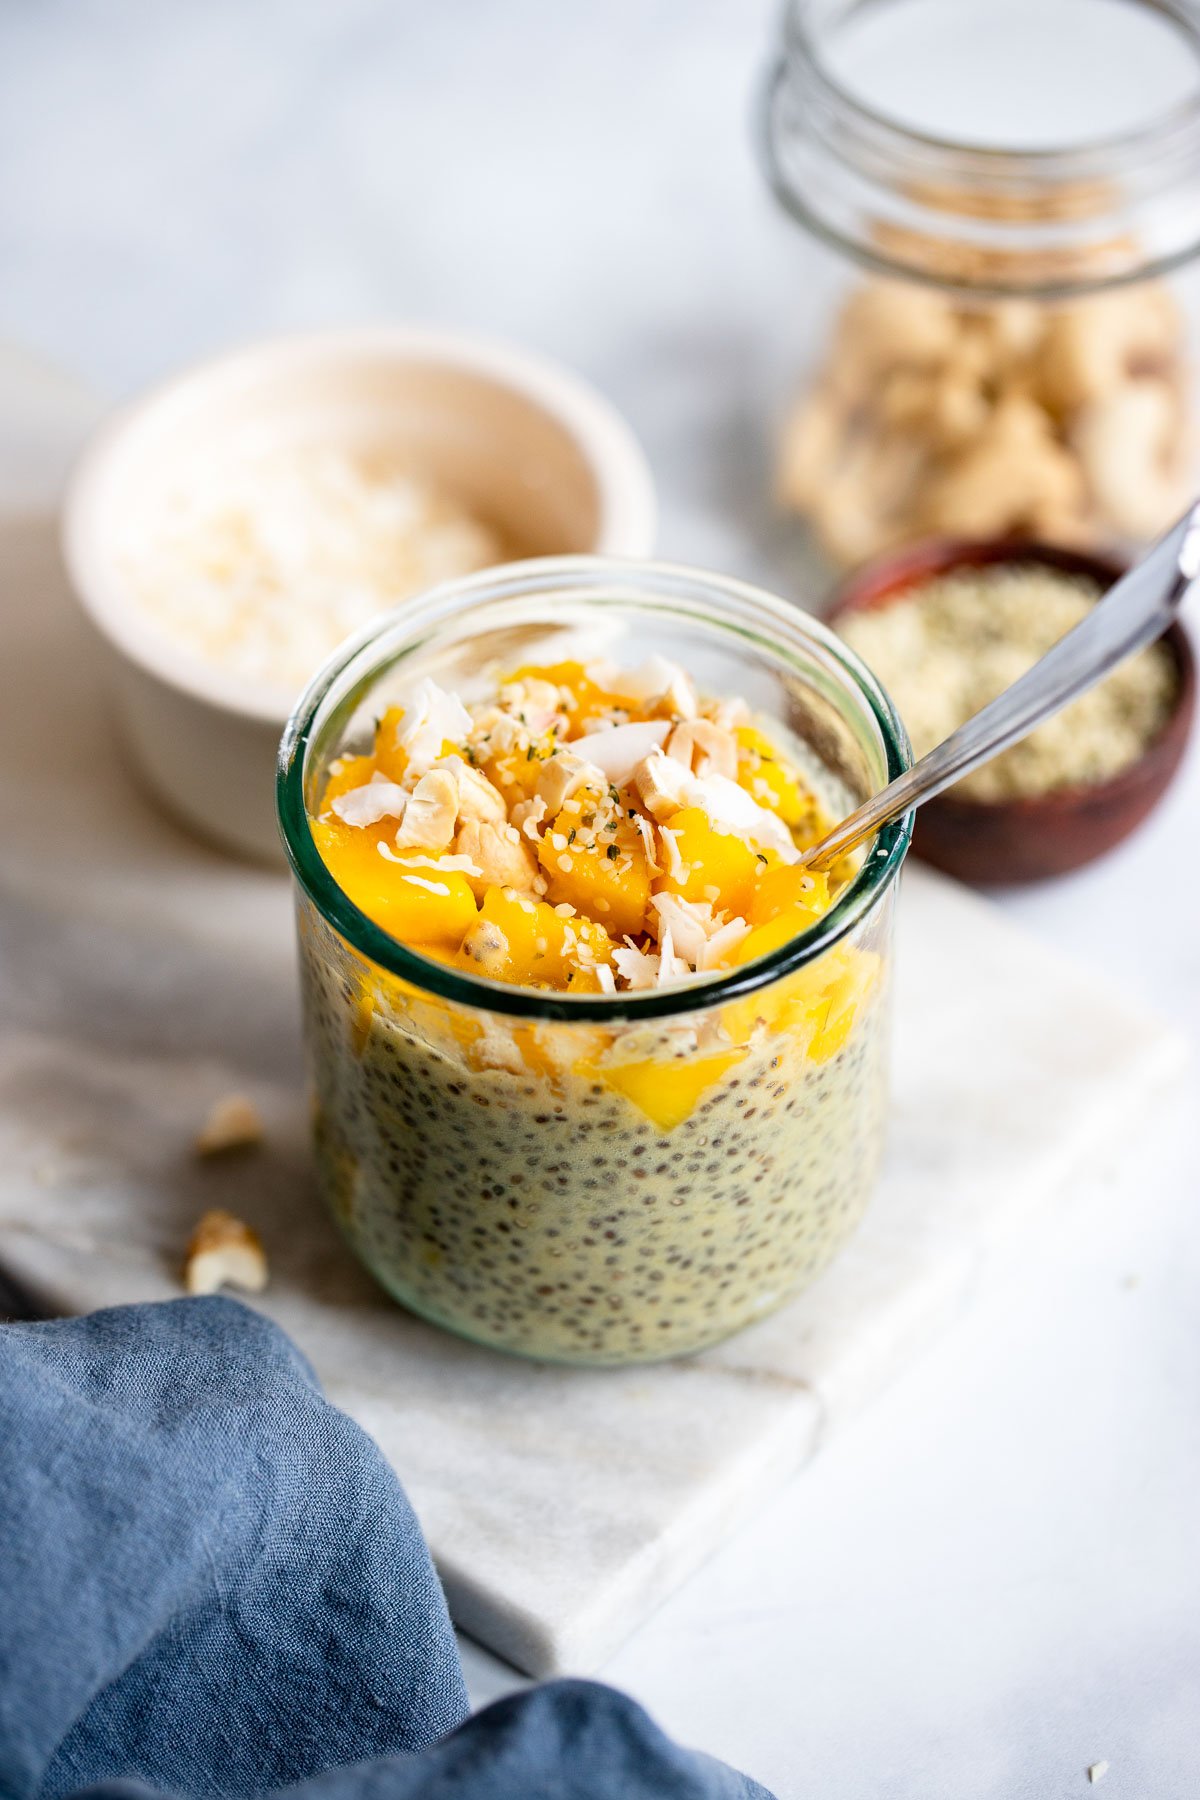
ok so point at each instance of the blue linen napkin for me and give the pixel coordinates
(212, 1584)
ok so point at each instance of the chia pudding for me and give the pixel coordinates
(579, 1176)
(547, 1213)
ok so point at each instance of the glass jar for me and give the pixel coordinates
(607, 1178)
(999, 198)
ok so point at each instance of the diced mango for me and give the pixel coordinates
(833, 1013)
(769, 778)
(390, 759)
(550, 1050)
(717, 866)
(784, 888)
(516, 773)
(346, 773)
(602, 873)
(816, 1007)
(417, 906)
(519, 939)
(667, 1092)
(580, 690)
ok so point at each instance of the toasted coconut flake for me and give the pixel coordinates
(619, 749)
(638, 968)
(441, 865)
(690, 923)
(722, 941)
(671, 966)
(670, 844)
(646, 833)
(704, 748)
(224, 1252)
(729, 806)
(431, 718)
(377, 799)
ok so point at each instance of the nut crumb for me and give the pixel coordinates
(1096, 1772)
(224, 1251)
(233, 1123)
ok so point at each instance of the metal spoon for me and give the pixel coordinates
(1135, 611)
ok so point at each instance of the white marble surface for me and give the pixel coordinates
(142, 976)
(992, 1579)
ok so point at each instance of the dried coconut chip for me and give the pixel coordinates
(619, 749)
(377, 799)
(431, 718)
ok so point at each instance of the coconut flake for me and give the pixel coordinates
(670, 844)
(655, 679)
(646, 833)
(431, 718)
(377, 799)
(604, 976)
(431, 887)
(689, 922)
(638, 967)
(444, 865)
(670, 966)
(726, 804)
(723, 940)
(619, 749)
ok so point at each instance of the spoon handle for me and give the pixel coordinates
(1135, 611)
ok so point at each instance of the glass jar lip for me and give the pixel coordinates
(513, 581)
(799, 36)
(1171, 142)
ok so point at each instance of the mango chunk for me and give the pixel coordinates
(390, 759)
(417, 905)
(816, 1007)
(516, 772)
(347, 773)
(768, 778)
(785, 889)
(593, 859)
(717, 866)
(519, 939)
(667, 1092)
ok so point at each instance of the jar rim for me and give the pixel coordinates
(894, 164)
(626, 579)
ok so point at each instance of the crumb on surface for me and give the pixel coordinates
(1096, 1772)
(233, 1123)
(223, 1251)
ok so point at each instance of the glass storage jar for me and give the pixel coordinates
(607, 1178)
(1000, 200)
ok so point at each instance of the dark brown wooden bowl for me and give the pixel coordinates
(989, 842)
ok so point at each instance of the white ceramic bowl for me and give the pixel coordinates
(521, 442)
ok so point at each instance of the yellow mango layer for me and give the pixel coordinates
(667, 1092)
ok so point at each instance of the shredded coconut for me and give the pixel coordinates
(264, 563)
